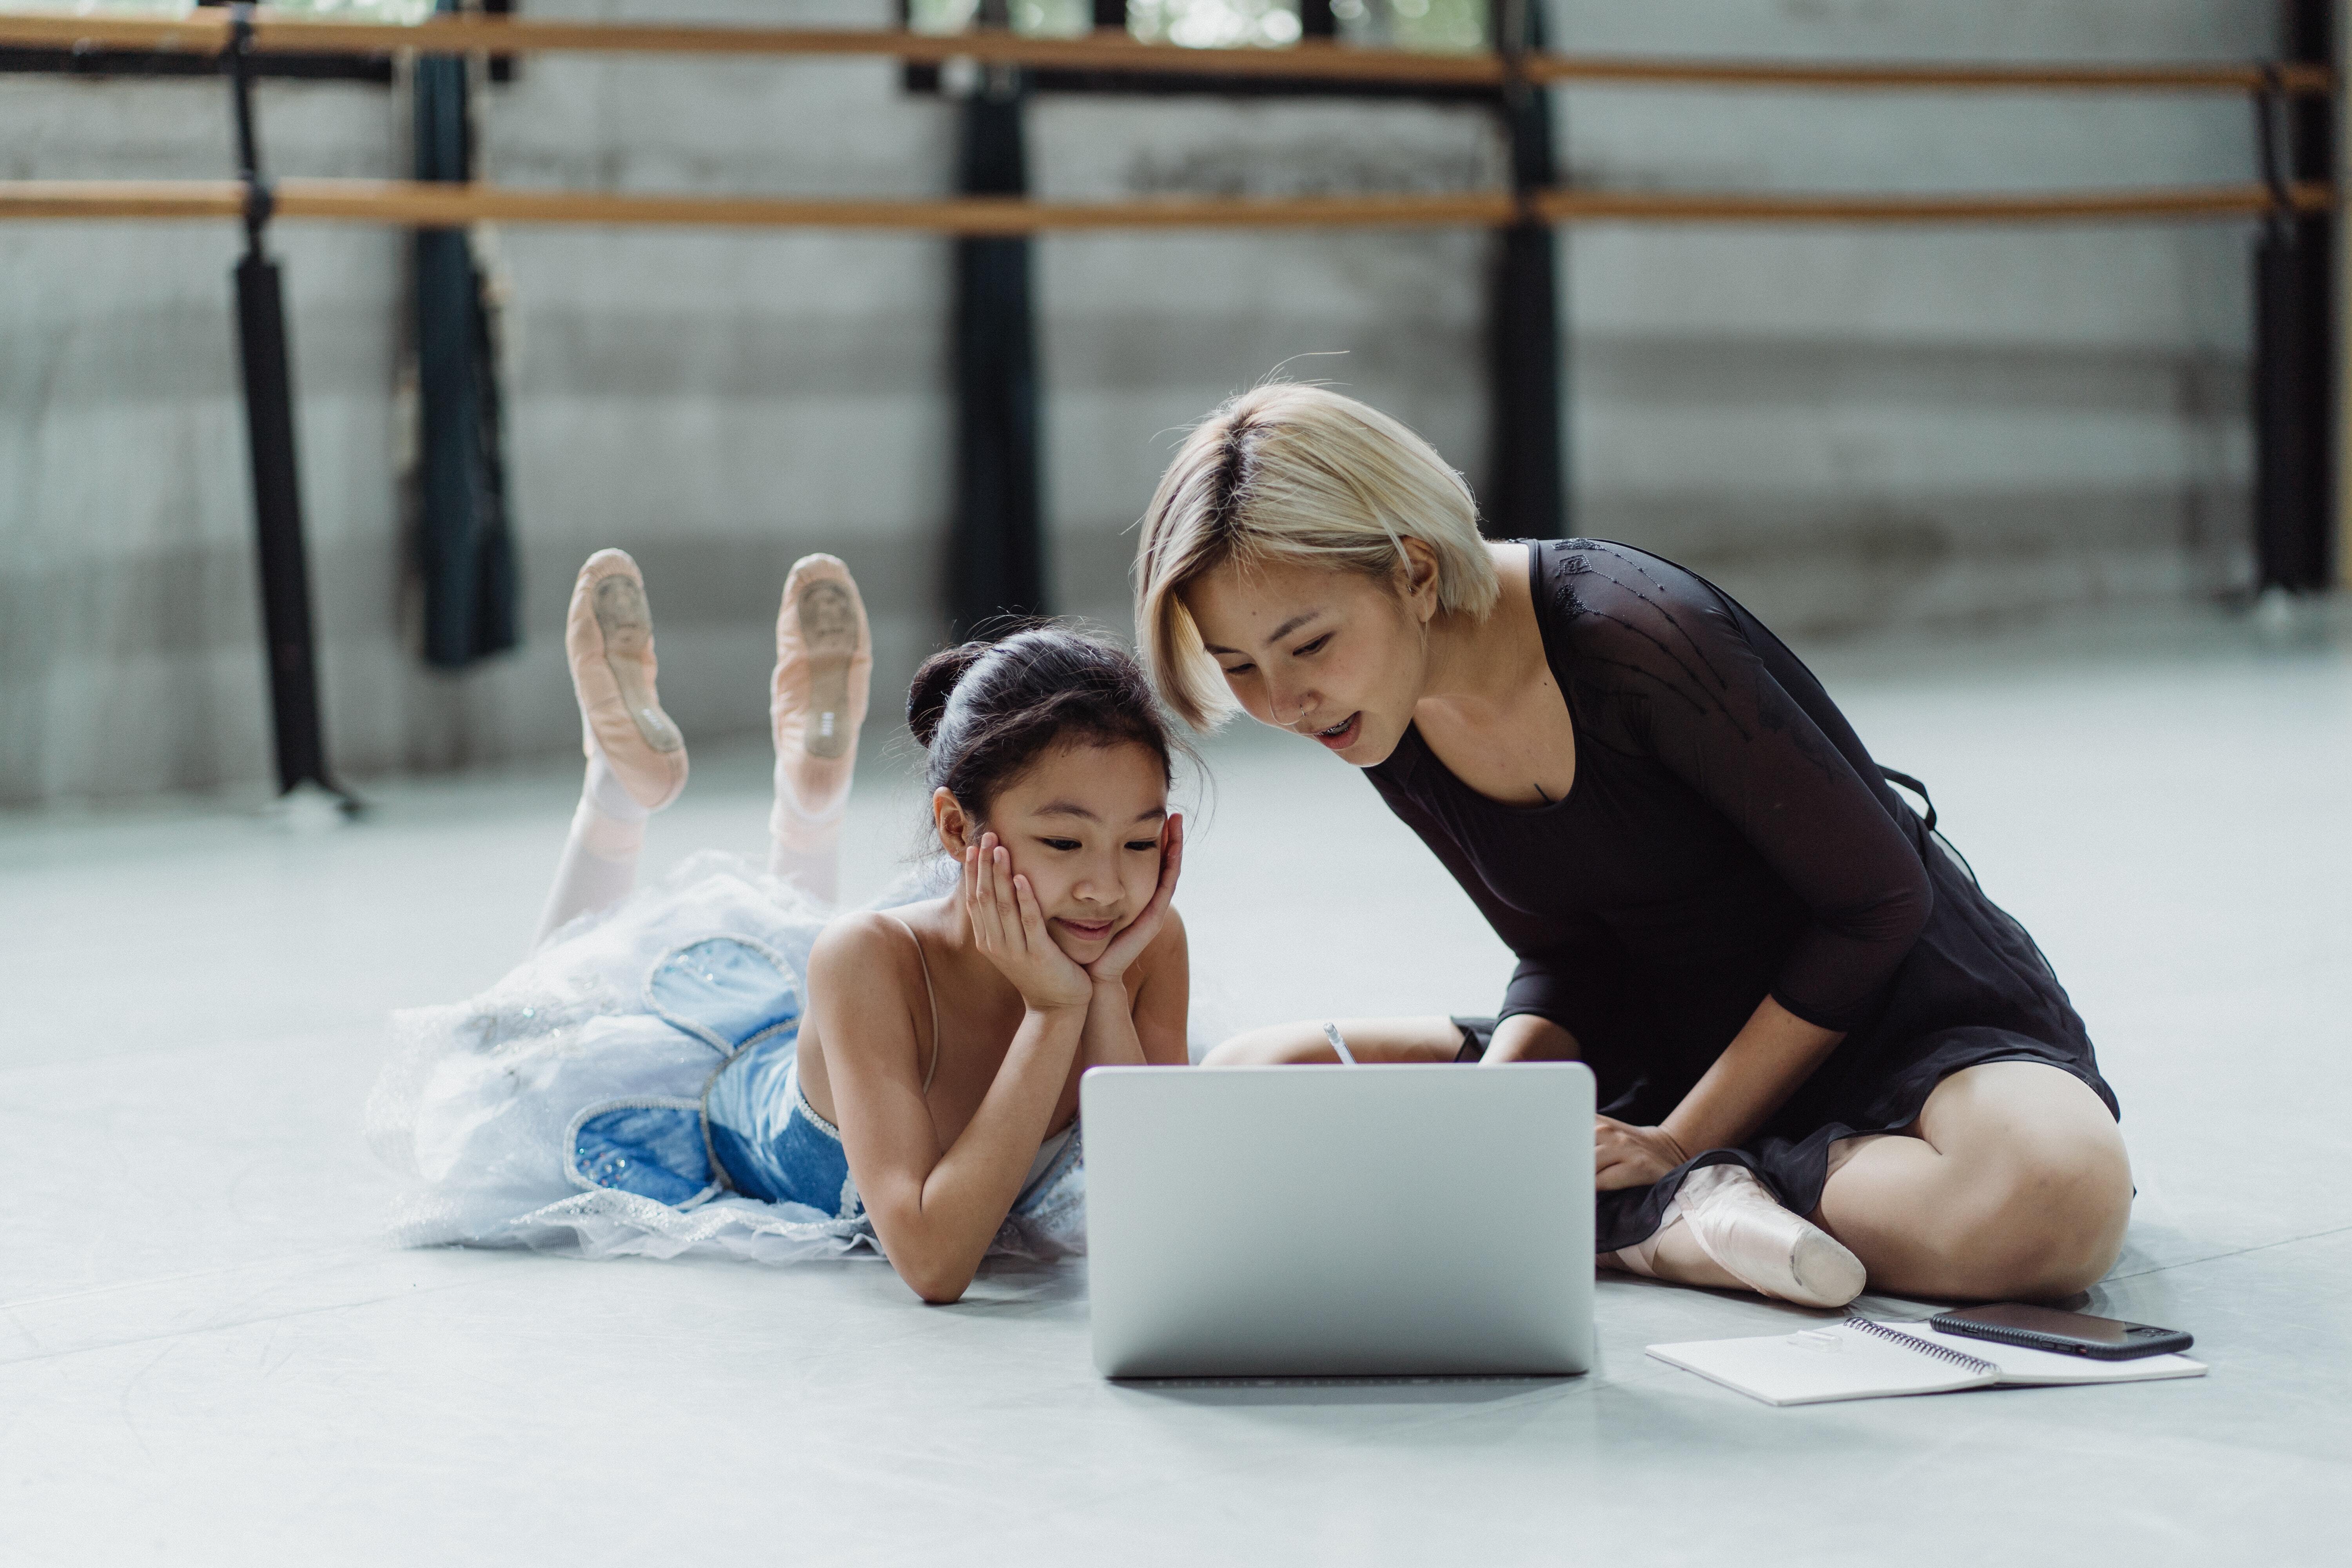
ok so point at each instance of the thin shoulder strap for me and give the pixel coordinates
(933, 995)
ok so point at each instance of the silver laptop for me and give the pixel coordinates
(1339, 1221)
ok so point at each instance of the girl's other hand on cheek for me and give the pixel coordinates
(1009, 926)
(1128, 945)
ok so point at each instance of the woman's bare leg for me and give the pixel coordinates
(1369, 1040)
(2014, 1184)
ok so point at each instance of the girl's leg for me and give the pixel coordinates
(2014, 1184)
(636, 758)
(599, 865)
(825, 668)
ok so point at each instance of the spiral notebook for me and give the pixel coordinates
(1861, 1358)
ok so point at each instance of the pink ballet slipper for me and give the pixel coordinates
(816, 701)
(1737, 1221)
(608, 638)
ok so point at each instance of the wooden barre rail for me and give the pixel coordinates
(207, 32)
(416, 203)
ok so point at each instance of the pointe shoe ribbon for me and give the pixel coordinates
(1737, 1221)
(608, 639)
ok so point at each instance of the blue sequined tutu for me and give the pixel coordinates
(632, 1088)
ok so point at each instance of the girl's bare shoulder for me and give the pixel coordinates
(868, 945)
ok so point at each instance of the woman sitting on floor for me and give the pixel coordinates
(713, 1064)
(1821, 1050)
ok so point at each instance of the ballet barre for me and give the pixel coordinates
(432, 204)
(211, 32)
(240, 36)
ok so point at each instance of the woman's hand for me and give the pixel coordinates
(1111, 968)
(1627, 1156)
(1009, 929)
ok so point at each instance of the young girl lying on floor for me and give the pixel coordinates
(711, 1064)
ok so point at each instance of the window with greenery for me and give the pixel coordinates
(1436, 25)
(399, 13)
(376, 70)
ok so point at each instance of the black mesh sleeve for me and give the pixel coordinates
(1690, 687)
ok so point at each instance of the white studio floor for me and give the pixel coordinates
(208, 1353)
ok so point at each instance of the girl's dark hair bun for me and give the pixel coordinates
(927, 698)
(985, 710)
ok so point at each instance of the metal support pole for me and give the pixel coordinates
(996, 564)
(1526, 494)
(2294, 332)
(276, 479)
(2340, 342)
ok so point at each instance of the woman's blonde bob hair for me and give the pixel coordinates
(1301, 476)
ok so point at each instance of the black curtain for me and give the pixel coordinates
(996, 564)
(464, 541)
(2294, 331)
(1526, 492)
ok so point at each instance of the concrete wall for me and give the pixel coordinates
(1849, 428)
(1143, 334)
(1856, 427)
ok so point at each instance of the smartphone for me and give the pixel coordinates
(2068, 1334)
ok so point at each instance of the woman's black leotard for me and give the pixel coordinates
(1728, 837)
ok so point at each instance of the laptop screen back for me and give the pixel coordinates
(1325, 1221)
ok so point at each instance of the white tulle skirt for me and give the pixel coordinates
(481, 1103)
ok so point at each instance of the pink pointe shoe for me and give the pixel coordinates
(608, 638)
(816, 701)
(1737, 1221)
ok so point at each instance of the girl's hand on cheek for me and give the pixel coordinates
(1129, 944)
(1009, 926)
